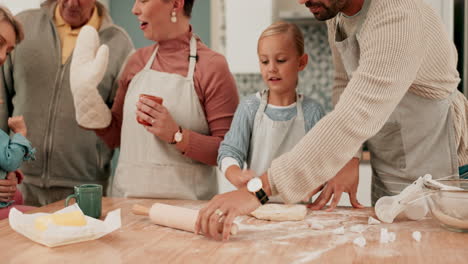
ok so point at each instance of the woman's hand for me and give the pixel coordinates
(8, 187)
(17, 125)
(162, 124)
(231, 205)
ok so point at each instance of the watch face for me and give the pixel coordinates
(254, 185)
(178, 136)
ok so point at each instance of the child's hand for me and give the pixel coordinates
(17, 125)
(238, 177)
(8, 187)
(246, 176)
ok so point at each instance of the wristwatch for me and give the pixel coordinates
(178, 136)
(255, 186)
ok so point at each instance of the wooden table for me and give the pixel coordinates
(138, 241)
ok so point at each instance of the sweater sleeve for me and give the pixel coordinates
(14, 151)
(391, 55)
(237, 141)
(220, 102)
(340, 78)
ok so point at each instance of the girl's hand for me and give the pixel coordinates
(17, 125)
(238, 177)
(162, 124)
(8, 187)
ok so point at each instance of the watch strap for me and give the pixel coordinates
(262, 196)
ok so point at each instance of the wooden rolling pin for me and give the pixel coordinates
(173, 216)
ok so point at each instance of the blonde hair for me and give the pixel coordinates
(5, 15)
(281, 27)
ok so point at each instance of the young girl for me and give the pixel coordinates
(16, 149)
(269, 123)
(13, 151)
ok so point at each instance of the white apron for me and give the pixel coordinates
(418, 138)
(149, 167)
(270, 139)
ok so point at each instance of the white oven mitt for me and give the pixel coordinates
(88, 66)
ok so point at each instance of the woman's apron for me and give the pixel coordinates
(270, 139)
(418, 137)
(152, 168)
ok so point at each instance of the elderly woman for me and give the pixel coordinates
(171, 152)
(12, 151)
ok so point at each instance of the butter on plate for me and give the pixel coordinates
(66, 226)
(74, 218)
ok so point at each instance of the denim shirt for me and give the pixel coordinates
(13, 151)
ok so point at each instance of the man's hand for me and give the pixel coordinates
(346, 180)
(231, 205)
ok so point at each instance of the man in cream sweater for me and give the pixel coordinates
(395, 88)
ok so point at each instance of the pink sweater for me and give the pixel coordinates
(214, 85)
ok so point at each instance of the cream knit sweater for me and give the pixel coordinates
(403, 47)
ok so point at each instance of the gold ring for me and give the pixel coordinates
(219, 212)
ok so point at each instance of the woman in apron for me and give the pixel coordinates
(269, 123)
(173, 153)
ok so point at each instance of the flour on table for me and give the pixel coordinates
(338, 231)
(373, 221)
(280, 212)
(316, 226)
(358, 228)
(360, 241)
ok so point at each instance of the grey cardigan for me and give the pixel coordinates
(37, 86)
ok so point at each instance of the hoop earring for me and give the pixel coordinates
(173, 17)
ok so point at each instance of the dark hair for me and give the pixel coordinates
(5, 15)
(188, 6)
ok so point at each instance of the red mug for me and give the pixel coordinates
(156, 99)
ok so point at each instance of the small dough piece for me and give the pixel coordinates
(386, 237)
(280, 212)
(417, 236)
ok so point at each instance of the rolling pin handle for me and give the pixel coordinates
(140, 210)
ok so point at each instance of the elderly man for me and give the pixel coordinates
(36, 84)
(395, 87)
